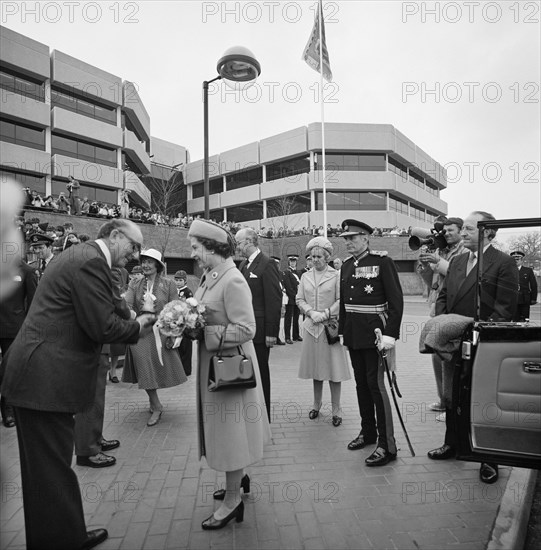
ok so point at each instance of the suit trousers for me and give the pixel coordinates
(53, 508)
(291, 317)
(443, 372)
(185, 351)
(5, 409)
(374, 404)
(522, 312)
(89, 423)
(262, 352)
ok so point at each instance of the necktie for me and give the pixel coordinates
(43, 265)
(471, 263)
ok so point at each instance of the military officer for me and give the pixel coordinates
(527, 294)
(370, 298)
(42, 246)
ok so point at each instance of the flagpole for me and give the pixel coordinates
(322, 100)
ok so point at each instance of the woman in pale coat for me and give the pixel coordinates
(318, 299)
(151, 293)
(230, 441)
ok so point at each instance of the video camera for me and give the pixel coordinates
(431, 238)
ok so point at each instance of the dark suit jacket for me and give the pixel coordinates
(499, 287)
(263, 279)
(528, 286)
(291, 283)
(52, 364)
(14, 308)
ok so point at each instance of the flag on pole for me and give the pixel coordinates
(312, 50)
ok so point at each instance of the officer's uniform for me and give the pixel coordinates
(39, 266)
(527, 294)
(370, 298)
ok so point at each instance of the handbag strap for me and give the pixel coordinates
(221, 347)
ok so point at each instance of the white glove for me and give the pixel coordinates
(317, 316)
(386, 342)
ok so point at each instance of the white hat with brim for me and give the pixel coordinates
(152, 253)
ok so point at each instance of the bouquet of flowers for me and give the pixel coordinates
(181, 317)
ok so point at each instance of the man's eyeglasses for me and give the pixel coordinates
(136, 247)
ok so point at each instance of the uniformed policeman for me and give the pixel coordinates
(42, 246)
(527, 294)
(370, 297)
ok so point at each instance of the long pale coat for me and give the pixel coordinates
(319, 360)
(233, 424)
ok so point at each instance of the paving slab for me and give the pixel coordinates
(308, 492)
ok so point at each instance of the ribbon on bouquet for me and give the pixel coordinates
(158, 340)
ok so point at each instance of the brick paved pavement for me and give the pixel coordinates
(308, 492)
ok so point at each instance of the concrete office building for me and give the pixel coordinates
(61, 116)
(373, 171)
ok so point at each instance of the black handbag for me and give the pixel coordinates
(230, 372)
(331, 331)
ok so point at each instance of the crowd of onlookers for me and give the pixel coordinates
(314, 231)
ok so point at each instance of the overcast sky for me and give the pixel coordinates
(459, 79)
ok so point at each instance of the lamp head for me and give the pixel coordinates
(238, 64)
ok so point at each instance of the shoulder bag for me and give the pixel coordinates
(230, 372)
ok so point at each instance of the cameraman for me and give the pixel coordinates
(438, 261)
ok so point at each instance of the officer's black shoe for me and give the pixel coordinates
(359, 442)
(380, 457)
(442, 453)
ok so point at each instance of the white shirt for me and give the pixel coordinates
(252, 257)
(106, 252)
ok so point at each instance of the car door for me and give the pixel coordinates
(498, 406)
(497, 386)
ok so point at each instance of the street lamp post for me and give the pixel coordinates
(238, 64)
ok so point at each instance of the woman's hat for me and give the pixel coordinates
(154, 254)
(320, 242)
(205, 229)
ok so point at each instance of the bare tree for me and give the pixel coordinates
(530, 244)
(168, 191)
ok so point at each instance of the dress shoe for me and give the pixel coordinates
(299, 339)
(359, 442)
(213, 523)
(488, 473)
(109, 444)
(113, 379)
(336, 421)
(155, 418)
(9, 421)
(380, 457)
(244, 485)
(280, 343)
(442, 453)
(96, 461)
(313, 414)
(94, 537)
(437, 407)
(288, 341)
(440, 417)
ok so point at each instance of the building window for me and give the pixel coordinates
(197, 191)
(431, 216)
(22, 85)
(244, 179)
(416, 179)
(398, 205)
(245, 212)
(432, 189)
(288, 205)
(288, 168)
(22, 134)
(353, 162)
(62, 145)
(398, 168)
(86, 107)
(346, 200)
(417, 212)
(217, 215)
(216, 185)
(34, 183)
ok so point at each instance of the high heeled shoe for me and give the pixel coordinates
(313, 414)
(113, 379)
(244, 485)
(213, 523)
(155, 419)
